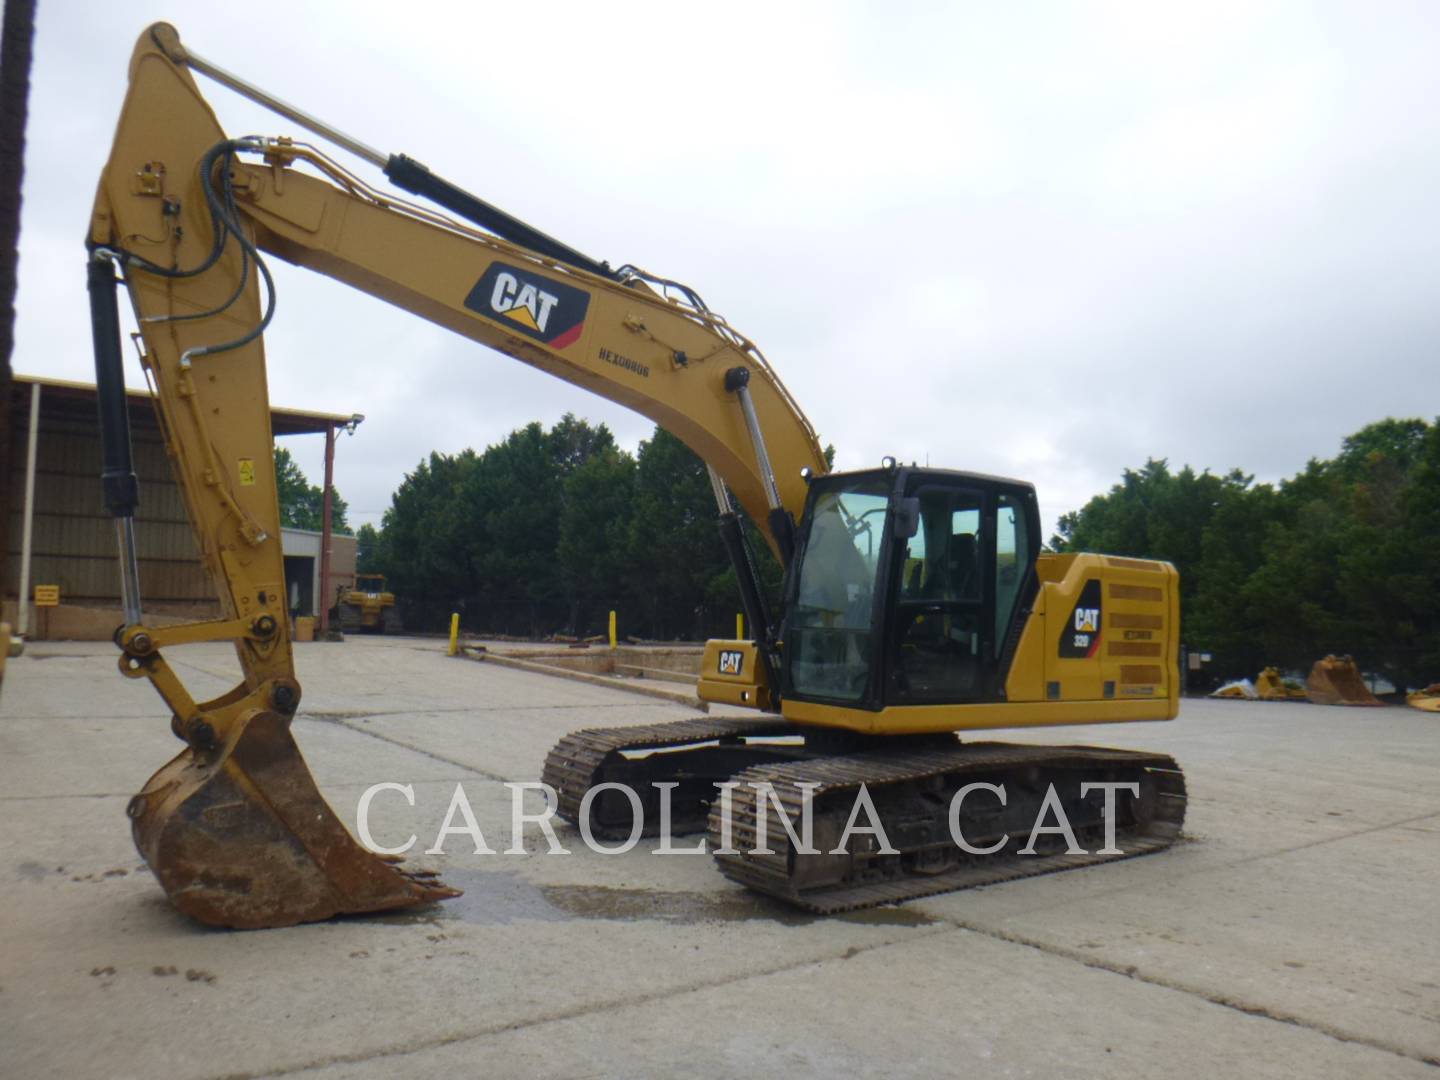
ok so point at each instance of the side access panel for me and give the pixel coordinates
(1112, 631)
(731, 674)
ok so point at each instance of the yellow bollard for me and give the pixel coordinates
(454, 635)
(613, 640)
(739, 627)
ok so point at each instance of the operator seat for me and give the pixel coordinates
(964, 568)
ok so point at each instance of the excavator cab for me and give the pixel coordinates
(907, 586)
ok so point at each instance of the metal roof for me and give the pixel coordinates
(282, 421)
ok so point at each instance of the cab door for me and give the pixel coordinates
(960, 586)
(941, 634)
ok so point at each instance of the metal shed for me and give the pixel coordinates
(72, 540)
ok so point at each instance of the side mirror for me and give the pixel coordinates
(907, 517)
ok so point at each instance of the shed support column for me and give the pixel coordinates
(325, 530)
(22, 606)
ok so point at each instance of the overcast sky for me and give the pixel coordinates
(1037, 239)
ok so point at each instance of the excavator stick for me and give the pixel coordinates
(240, 837)
(1336, 681)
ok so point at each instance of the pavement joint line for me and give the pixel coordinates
(357, 714)
(352, 784)
(341, 722)
(330, 714)
(1321, 841)
(68, 795)
(578, 1011)
(345, 786)
(1132, 971)
(53, 717)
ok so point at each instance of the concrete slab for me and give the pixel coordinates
(941, 1004)
(1293, 934)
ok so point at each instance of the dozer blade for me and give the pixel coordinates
(240, 837)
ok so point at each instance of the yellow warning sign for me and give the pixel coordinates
(47, 595)
(247, 472)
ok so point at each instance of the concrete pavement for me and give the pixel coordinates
(1294, 932)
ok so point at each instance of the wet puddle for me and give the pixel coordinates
(496, 898)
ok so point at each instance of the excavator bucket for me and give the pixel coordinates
(1336, 681)
(240, 837)
(1240, 690)
(1427, 699)
(1271, 686)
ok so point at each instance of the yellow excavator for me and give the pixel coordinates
(917, 603)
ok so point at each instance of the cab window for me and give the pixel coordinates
(937, 649)
(1012, 557)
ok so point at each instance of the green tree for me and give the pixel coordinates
(676, 548)
(1153, 514)
(572, 442)
(427, 540)
(550, 529)
(479, 533)
(1221, 614)
(513, 500)
(1348, 563)
(302, 505)
(369, 559)
(593, 549)
(1340, 558)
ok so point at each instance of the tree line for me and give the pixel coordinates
(1343, 557)
(550, 530)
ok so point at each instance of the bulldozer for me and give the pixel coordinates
(366, 605)
(918, 604)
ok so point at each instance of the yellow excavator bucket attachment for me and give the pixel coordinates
(1427, 699)
(1240, 690)
(1336, 681)
(239, 836)
(1270, 686)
